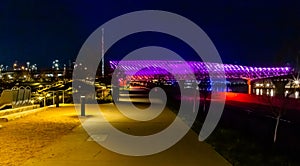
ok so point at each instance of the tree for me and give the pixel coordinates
(277, 105)
(279, 102)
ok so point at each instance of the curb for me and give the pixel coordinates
(18, 109)
(18, 115)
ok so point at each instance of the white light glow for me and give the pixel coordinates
(272, 93)
(257, 92)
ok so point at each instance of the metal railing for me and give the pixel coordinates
(21, 96)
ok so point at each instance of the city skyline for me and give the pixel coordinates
(28, 65)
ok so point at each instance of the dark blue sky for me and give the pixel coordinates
(254, 32)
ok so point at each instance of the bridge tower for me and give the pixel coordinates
(102, 53)
(249, 86)
(249, 82)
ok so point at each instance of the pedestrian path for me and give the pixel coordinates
(78, 148)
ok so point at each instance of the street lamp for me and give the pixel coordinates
(15, 66)
(28, 64)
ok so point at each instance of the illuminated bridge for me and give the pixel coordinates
(156, 68)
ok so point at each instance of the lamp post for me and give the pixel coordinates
(82, 99)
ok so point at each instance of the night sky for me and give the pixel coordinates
(261, 33)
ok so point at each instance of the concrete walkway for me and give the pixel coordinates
(79, 149)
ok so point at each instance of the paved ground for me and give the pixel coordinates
(77, 148)
(26, 137)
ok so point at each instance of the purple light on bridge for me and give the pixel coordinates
(150, 68)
